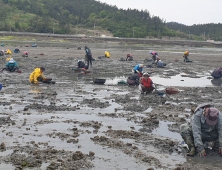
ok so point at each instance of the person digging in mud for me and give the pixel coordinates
(11, 66)
(81, 64)
(1, 53)
(8, 52)
(157, 60)
(25, 54)
(37, 76)
(16, 50)
(154, 55)
(107, 54)
(217, 73)
(89, 56)
(146, 84)
(129, 57)
(134, 79)
(206, 126)
(138, 68)
(185, 56)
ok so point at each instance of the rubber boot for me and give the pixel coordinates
(189, 141)
(215, 145)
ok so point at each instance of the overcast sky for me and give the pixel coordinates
(187, 12)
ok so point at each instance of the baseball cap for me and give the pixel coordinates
(212, 115)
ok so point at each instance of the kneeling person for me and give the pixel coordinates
(217, 73)
(206, 126)
(146, 84)
(11, 65)
(134, 79)
(107, 54)
(37, 76)
(80, 64)
(138, 68)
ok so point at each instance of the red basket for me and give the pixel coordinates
(171, 90)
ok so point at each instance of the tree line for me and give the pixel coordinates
(63, 17)
(203, 31)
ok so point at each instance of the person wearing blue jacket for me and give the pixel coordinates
(11, 66)
(138, 68)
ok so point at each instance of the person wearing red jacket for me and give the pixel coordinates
(146, 84)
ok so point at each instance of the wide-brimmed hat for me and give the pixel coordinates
(141, 65)
(212, 116)
(146, 74)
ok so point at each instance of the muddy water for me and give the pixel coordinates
(135, 131)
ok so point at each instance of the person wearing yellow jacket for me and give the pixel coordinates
(8, 52)
(107, 54)
(185, 56)
(37, 76)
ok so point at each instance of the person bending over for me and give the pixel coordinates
(146, 84)
(37, 76)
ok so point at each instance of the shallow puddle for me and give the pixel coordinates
(5, 166)
(178, 80)
(163, 130)
(115, 80)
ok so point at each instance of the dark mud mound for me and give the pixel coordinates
(50, 107)
(95, 103)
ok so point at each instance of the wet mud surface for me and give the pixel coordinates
(75, 124)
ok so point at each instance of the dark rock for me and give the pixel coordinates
(91, 153)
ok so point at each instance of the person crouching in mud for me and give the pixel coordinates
(11, 66)
(217, 73)
(80, 64)
(138, 68)
(206, 126)
(154, 56)
(37, 76)
(185, 56)
(25, 54)
(146, 84)
(134, 79)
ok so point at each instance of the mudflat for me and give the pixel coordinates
(76, 124)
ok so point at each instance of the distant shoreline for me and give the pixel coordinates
(27, 36)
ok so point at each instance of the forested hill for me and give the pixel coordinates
(68, 16)
(205, 31)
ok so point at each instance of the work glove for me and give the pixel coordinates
(220, 150)
(153, 85)
(202, 153)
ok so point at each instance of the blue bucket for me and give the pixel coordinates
(0, 86)
(160, 93)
